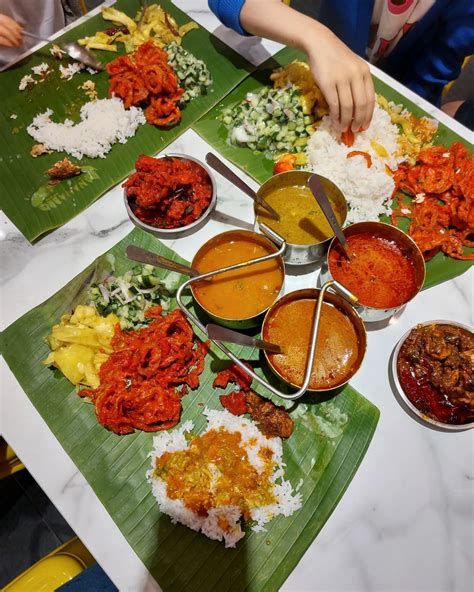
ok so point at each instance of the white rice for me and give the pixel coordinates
(367, 190)
(103, 123)
(26, 82)
(253, 440)
(41, 69)
(67, 72)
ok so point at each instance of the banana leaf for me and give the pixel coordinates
(36, 207)
(254, 163)
(331, 436)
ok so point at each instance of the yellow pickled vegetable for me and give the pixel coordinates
(154, 24)
(416, 133)
(298, 73)
(80, 344)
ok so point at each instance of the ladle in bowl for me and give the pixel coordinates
(149, 258)
(223, 334)
(314, 183)
(217, 164)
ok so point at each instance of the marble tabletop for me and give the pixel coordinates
(406, 520)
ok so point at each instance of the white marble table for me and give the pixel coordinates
(406, 520)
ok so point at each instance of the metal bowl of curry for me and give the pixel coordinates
(385, 272)
(170, 196)
(302, 223)
(238, 298)
(432, 372)
(340, 346)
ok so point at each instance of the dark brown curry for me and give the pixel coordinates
(436, 371)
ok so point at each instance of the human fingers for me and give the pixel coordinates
(359, 98)
(346, 105)
(6, 39)
(10, 31)
(332, 99)
(370, 105)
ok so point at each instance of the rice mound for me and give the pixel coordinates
(367, 190)
(103, 123)
(253, 440)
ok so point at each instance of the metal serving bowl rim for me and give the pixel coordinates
(280, 259)
(446, 426)
(315, 291)
(180, 229)
(405, 236)
(309, 173)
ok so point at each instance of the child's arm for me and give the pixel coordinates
(343, 77)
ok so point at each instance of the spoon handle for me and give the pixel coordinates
(217, 164)
(144, 256)
(222, 334)
(319, 193)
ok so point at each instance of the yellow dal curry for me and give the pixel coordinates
(302, 221)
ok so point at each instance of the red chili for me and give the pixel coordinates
(366, 155)
(348, 137)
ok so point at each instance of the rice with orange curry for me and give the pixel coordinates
(229, 473)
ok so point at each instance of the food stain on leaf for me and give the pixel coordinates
(48, 197)
(329, 422)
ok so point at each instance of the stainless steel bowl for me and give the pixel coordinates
(255, 320)
(338, 302)
(302, 254)
(409, 248)
(171, 233)
(401, 392)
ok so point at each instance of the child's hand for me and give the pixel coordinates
(11, 33)
(343, 78)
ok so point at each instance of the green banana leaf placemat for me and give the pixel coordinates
(439, 269)
(331, 436)
(36, 207)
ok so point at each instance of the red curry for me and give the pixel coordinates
(378, 273)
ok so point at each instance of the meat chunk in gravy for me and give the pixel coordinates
(272, 419)
(444, 356)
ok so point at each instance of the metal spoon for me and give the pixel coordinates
(143, 256)
(314, 183)
(74, 50)
(217, 164)
(222, 334)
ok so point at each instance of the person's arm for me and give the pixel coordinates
(441, 61)
(342, 76)
(11, 33)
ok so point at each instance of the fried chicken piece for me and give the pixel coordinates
(63, 169)
(272, 420)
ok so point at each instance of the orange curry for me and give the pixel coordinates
(336, 350)
(242, 293)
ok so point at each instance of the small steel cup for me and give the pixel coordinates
(302, 254)
(273, 253)
(344, 306)
(407, 245)
(401, 392)
(170, 233)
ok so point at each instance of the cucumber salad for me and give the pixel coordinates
(193, 74)
(270, 120)
(130, 295)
